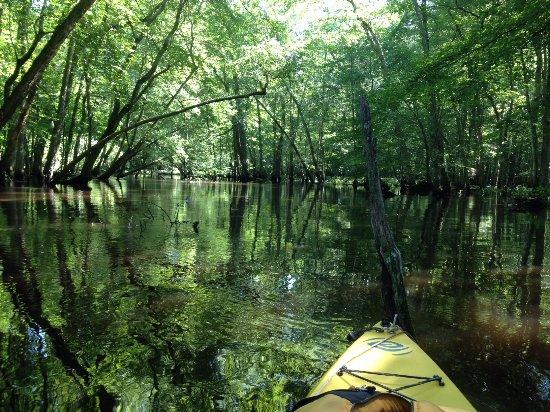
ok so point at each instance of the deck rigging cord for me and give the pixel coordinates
(394, 330)
(422, 380)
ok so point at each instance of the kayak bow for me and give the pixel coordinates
(387, 359)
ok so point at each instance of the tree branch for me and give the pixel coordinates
(60, 175)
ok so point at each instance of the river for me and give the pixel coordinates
(118, 296)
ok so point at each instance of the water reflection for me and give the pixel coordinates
(103, 301)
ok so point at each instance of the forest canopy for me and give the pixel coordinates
(269, 90)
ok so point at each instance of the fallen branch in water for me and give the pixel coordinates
(173, 221)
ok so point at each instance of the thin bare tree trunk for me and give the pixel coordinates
(260, 168)
(372, 37)
(393, 286)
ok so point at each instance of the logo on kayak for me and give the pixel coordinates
(395, 348)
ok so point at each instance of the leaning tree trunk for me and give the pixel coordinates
(141, 86)
(307, 133)
(33, 75)
(120, 161)
(61, 176)
(393, 286)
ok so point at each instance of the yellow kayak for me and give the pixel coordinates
(387, 359)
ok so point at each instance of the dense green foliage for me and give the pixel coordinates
(459, 89)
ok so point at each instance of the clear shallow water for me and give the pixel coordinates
(103, 301)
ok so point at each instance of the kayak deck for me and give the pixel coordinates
(392, 362)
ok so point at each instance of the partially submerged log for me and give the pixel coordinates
(393, 286)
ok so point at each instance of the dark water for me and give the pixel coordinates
(102, 300)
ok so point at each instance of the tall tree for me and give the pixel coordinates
(439, 172)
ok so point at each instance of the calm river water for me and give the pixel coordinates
(103, 300)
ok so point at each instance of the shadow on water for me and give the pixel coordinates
(103, 302)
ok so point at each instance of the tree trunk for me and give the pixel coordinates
(290, 154)
(307, 173)
(23, 25)
(143, 84)
(427, 159)
(439, 172)
(532, 108)
(121, 161)
(20, 157)
(321, 139)
(261, 172)
(373, 39)
(64, 95)
(70, 132)
(239, 139)
(240, 158)
(318, 173)
(33, 75)
(85, 121)
(87, 111)
(393, 286)
(544, 156)
(93, 152)
(12, 143)
(437, 137)
(277, 154)
(61, 176)
(37, 159)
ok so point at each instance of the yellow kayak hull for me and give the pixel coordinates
(381, 351)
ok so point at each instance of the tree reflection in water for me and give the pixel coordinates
(103, 302)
